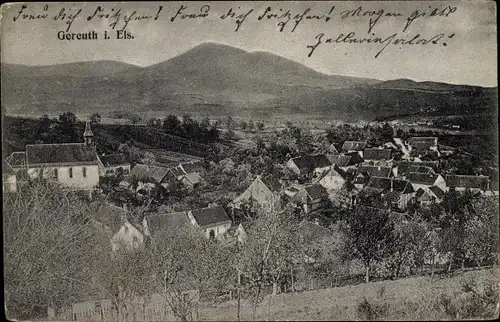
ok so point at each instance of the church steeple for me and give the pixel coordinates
(88, 135)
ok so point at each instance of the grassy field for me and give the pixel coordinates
(418, 298)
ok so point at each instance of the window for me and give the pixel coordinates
(56, 174)
(211, 234)
(84, 172)
(71, 172)
(134, 239)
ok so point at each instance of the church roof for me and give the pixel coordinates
(64, 153)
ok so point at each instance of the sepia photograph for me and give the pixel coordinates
(250, 161)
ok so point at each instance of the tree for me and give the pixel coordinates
(229, 122)
(68, 119)
(230, 135)
(185, 277)
(134, 118)
(171, 124)
(260, 126)
(53, 254)
(269, 252)
(95, 118)
(250, 126)
(371, 235)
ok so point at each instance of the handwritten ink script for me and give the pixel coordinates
(375, 25)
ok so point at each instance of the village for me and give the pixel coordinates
(138, 201)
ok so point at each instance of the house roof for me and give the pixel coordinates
(17, 159)
(437, 191)
(7, 169)
(404, 165)
(193, 177)
(422, 143)
(311, 162)
(111, 160)
(377, 154)
(272, 182)
(375, 171)
(194, 166)
(430, 156)
(398, 185)
(210, 216)
(467, 181)
(143, 171)
(111, 216)
(60, 153)
(422, 178)
(353, 145)
(341, 160)
(332, 149)
(334, 171)
(419, 169)
(166, 221)
(88, 130)
(316, 191)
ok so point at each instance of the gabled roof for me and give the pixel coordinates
(17, 159)
(376, 154)
(210, 216)
(193, 177)
(112, 160)
(111, 216)
(467, 181)
(166, 222)
(194, 166)
(375, 171)
(316, 191)
(334, 171)
(437, 191)
(88, 131)
(7, 169)
(272, 182)
(311, 162)
(66, 153)
(341, 160)
(404, 165)
(353, 145)
(332, 149)
(422, 143)
(143, 171)
(422, 178)
(419, 169)
(402, 186)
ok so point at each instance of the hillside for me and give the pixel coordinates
(417, 298)
(222, 80)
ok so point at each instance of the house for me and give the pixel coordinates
(189, 174)
(192, 167)
(73, 165)
(375, 154)
(418, 168)
(9, 178)
(113, 165)
(426, 180)
(353, 146)
(214, 221)
(115, 222)
(421, 144)
(463, 182)
(311, 198)
(347, 161)
(402, 166)
(161, 223)
(263, 190)
(190, 180)
(390, 191)
(333, 179)
(428, 196)
(365, 172)
(148, 173)
(309, 164)
(234, 236)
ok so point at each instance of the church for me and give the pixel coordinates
(73, 165)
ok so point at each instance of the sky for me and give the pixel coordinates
(469, 56)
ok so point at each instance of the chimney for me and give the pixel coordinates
(88, 135)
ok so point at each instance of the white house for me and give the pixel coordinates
(333, 179)
(214, 221)
(262, 190)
